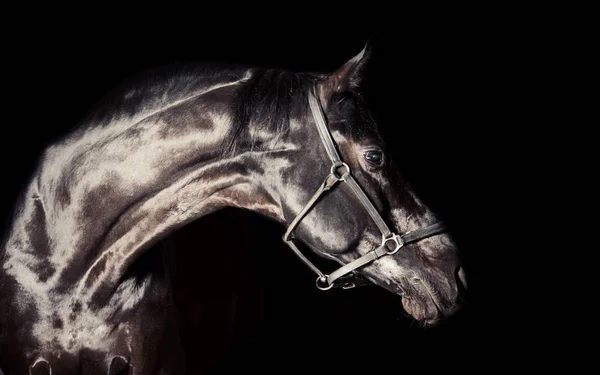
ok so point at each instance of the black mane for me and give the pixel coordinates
(266, 100)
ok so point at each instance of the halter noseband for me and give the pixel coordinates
(340, 172)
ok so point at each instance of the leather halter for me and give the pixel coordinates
(391, 243)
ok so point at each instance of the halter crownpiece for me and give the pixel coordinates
(391, 243)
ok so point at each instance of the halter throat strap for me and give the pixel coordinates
(340, 172)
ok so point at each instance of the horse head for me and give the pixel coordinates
(341, 195)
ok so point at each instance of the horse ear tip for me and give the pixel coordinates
(368, 47)
(362, 55)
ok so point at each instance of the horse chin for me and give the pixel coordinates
(422, 309)
(423, 303)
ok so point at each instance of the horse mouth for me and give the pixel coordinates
(424, 303)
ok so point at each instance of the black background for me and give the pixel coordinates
(441, 87)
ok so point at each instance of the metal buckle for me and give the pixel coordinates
(334, 171)
(323, 279)
(397, 239)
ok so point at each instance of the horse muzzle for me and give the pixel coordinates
(430, 301)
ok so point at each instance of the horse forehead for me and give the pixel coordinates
(358, 134)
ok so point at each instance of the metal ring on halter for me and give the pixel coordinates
(323, 279)
(334, 171)
(396, 239)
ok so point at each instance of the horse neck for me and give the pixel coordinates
(106, 193)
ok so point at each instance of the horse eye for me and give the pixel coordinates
(374, 157)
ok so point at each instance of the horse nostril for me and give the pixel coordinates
(462, 277)
(41, 367)
(118, 366)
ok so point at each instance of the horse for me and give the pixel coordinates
(177, 144)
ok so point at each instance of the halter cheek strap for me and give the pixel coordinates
(391, 243)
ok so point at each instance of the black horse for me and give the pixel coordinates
(300, 148)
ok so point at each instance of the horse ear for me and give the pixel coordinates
(347, 77)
